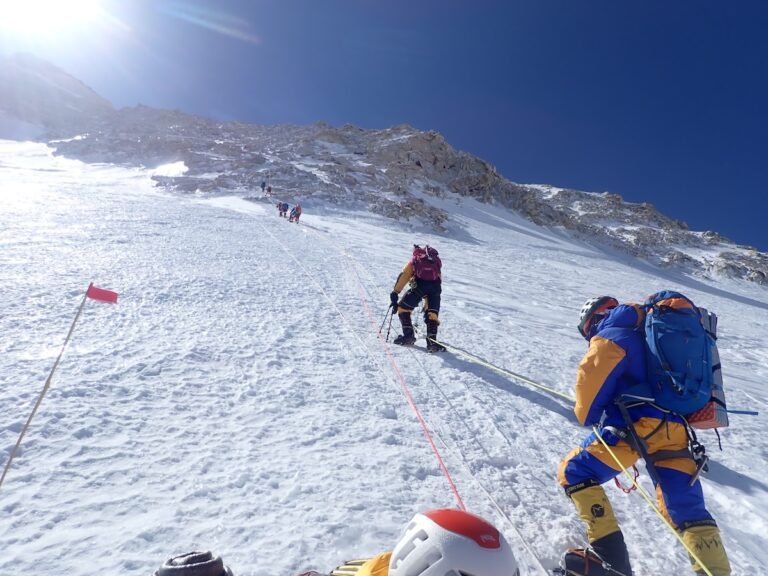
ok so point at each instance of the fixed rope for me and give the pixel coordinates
(520, 378)
(497, 506)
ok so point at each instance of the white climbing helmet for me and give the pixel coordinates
(594, 308)
(451, 543)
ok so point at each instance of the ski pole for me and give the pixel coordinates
(385, 319)
(390, 324)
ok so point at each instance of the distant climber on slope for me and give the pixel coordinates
(295, 214)
(423, 273)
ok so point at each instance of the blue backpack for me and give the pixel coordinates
(680, 370)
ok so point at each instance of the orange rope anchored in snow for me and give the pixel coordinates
(409, 396)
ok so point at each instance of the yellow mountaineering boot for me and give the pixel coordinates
(605, 538)
(706, 543)
(594, 509)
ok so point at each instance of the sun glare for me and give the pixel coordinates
(41, 19)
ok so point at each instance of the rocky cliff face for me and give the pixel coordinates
(640, 230)
(399, 172)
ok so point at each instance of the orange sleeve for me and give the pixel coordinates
(600, 360)
(404, 277)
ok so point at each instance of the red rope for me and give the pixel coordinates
(408, 395)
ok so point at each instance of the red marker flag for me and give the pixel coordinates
(95, 293)
(101, 294)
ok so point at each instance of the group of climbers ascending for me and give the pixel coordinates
(293, 215)
(283, 207)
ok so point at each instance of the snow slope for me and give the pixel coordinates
(238, 397)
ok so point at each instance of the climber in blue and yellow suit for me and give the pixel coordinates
(616, 361)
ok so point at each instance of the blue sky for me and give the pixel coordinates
(662, 102)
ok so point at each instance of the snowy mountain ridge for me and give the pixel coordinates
(399, 172)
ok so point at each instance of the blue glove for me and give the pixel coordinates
(393, 297)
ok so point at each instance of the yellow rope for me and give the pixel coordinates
(650, 501)
(518, 377)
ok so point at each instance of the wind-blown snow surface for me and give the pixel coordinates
(238, 398)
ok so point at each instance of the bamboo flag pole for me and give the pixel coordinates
(94, 293)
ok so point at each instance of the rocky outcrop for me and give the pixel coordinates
(396, 173)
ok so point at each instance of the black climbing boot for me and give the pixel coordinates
(432, 344)
(408, 338)
(607, 556)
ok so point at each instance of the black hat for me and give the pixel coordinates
(194, 564)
